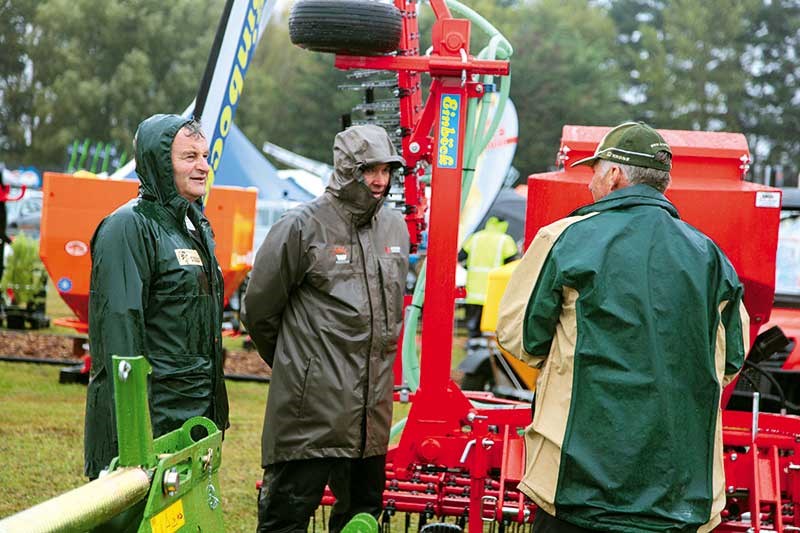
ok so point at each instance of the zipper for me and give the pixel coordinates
(371, 340)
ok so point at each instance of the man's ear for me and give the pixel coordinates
(618, 178)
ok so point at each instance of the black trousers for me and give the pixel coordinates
(547, 523)
(291, 492)
(472, 317)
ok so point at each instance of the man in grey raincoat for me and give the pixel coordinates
(324, 308)
(156, 291)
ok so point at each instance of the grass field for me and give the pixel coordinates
(41, 438)
(41, 441)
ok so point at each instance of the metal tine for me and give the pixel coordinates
(379, 105)
(369, 84)
(365, 73)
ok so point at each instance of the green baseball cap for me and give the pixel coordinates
(632, 143)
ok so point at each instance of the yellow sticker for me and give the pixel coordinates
(187, 256)
(169, 520)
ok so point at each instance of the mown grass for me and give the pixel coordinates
(41, 436)
(41, 442)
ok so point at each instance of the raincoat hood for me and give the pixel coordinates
(354, 149)
(153, 145)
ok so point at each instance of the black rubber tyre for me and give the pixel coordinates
(352, 27)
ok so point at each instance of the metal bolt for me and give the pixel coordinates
(171, 482)
(734, 457)
(472, 416)
(208, 460)
(413, 148)
(124, 370)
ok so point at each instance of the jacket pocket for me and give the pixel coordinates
(301, 410)
(393, 271)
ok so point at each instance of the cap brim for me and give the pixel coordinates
(588, 161)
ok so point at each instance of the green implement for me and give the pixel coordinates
(153, 486)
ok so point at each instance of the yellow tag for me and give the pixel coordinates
(187, 256)
(169, 520)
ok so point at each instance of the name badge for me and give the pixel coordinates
(188, 256)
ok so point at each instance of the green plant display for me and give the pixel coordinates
(24, 274)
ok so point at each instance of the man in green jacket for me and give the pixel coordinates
(324, 307)
(156, 291)
(636, 319)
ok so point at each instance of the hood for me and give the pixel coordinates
(153, 145)
(630, 196)
(353, 149)
(496, 225)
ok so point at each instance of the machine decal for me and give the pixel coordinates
(64, 284)
(169, 520)
(449, 118)
(76, 248)
(768, 199)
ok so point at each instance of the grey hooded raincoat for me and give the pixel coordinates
(324, 307)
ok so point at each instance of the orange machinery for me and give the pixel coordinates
(708, 189)
(73, 206)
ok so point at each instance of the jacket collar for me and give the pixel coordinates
(631, 196)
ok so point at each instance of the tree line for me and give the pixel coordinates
(95, 68)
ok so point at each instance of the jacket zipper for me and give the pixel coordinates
(364, 417)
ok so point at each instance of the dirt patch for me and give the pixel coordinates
(69, 348)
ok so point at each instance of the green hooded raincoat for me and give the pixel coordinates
(156, 291)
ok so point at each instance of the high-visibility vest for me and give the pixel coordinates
(486, 250)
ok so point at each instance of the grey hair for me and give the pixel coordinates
(194, 129)
(658, 179)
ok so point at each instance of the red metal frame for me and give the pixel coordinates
(5, 193)
(455, 459)
(762, 472)
(447, 459)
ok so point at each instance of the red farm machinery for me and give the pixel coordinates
(461, 454)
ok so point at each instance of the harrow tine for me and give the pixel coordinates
(408, 522)
(386, 522)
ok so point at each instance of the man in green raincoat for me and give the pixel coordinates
(156, 291)
(324, 306)
(637, 322)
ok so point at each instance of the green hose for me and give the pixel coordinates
(476, 139)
